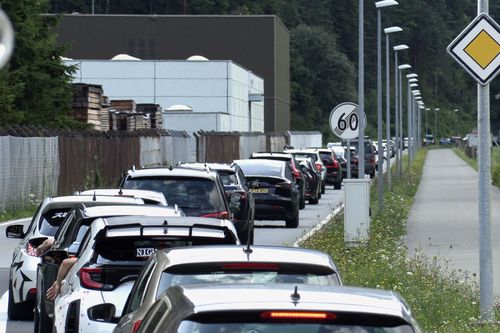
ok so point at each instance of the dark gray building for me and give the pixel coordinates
(259, 43)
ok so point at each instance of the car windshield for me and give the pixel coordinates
(191, 326)
(196, 196)
(228, 178)
(169, 279)
(51, 220)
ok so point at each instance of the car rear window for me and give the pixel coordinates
(314, 156)
(196, 196)
(51, 220)
(256, 169)
(228, 178)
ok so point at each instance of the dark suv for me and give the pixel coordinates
(294, 166)
(370, 158)
(196, 192)
(240, 199)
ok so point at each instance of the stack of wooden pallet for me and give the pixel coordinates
(105, 106)
(86, 104)
(154, 112)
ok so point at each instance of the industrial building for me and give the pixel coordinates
(258, 43)
(195, 95)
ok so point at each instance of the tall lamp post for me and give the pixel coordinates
(379, 5)
(411, 86)
(456, 121)
(435, 124)
(397, 87)
(361, 91)
(400, 111)
(388, 31)
(426, 110)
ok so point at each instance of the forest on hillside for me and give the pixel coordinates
(324, 51)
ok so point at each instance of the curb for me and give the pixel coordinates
(319, 226)
(26, 219)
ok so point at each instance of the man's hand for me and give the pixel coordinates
(53, 291)
(42, 248)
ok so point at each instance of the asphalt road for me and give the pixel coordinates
(266, 233)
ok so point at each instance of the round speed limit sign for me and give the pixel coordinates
(344, 121)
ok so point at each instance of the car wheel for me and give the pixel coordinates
(337, 185)
(19, 311)
(302, 202)
(372, 174)
(323, 188)
(294, 222)
(313, 201)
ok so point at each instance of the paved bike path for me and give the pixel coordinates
(444, 220)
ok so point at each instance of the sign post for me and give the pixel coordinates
(477, 49)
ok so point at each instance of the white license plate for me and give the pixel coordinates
(145, 252)
(260, 190)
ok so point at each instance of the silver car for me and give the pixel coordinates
(46, 221)
(223, 264)
(278, 309)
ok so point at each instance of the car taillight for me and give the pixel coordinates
(298, 315)
(318, 167)
(136, 326)
(217, 215)
(335, 164)
(372, 159)
(296, 173)
(250, 266)
(354, 160)
(91, 278)
(284, 185)
(31, 250)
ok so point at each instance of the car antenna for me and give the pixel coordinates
(247, 249)
(120, 192)
(94, 198)
(170, 167)
(295, 296)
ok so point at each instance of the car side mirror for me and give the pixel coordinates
(104, 312)
(234, 202)
(55, 256)
(14, 231)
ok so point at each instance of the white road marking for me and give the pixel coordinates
(3, 312)
(318, 226)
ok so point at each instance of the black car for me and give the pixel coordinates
(292, 162)
(333, 167)
(196, 192)
(312, 180)
(276, 196)
(240, 198)
(370, 158)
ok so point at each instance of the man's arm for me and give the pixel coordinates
(64, 268)
(42, 248)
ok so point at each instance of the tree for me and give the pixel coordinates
(35, 86)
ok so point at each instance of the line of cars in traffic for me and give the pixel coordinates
(128, 259)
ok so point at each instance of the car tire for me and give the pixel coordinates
(294, 222)
(302, 204)
(323, 186)
(372, 174)
(313, 201)
(337, 185)
(18, 311)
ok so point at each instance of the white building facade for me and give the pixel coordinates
(223, 95)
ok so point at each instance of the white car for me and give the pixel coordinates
(47, 219)
(110, 257)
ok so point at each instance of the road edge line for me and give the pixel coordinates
(319, 226)
(26, 219)
(3, 313)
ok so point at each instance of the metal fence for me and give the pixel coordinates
(37, 162)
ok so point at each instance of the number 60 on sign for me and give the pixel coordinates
(344, 121)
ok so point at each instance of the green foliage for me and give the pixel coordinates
(442, 300)
(35, 86)
(495, 163)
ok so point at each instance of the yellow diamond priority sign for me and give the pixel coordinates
(477, 49)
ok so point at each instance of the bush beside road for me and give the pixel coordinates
(443, 300)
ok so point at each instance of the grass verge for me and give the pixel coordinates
(442, 300)
(8, 215)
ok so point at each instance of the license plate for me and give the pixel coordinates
(145, 252)
(260, 190)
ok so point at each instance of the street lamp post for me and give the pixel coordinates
(400, 112)
(416, 98)
(361, 93)
(435, 124)
(379, 5)
(410, 117)
(426, 110)
(388, 31)
(397, 48)
(456, 121)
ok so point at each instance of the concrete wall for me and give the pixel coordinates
(300, 140)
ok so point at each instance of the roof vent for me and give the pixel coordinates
(197, 58)
(180, 107)
(123, 56)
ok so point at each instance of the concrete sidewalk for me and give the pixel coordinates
(444, 220)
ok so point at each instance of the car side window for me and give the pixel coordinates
(136, 295)
(61, 232)
(288, 174)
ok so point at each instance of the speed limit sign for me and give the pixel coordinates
(344, 121)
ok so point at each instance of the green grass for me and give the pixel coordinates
(8, 215)
(442, 300)
(495, 163)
